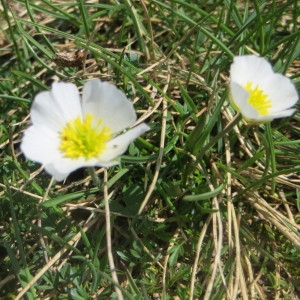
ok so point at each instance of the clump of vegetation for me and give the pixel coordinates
(205, 205)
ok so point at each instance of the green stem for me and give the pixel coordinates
(94, 176)
(272, 155)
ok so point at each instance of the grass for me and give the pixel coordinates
(197, 212)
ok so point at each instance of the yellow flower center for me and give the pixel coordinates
(81, 138)
(258, 99)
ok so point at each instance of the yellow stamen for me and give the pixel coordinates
(81, 138)
(258, 99)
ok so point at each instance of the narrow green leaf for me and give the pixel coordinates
(204, 196)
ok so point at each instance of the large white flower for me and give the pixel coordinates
(68, 132)
(259, 93)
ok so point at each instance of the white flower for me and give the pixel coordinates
(68, 132)
(259, 93)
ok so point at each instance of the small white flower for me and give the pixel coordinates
(68, 132)
(259, 93)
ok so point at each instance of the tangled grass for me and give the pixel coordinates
(204, 206)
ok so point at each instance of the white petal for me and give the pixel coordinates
(281, 92)
(108, 103)
(62, 167)
(250, 68)
(239, 101)
(58, 176)
(119, 145)
(107, 164)
(239, 97)
(40, 144)
(283, 113)
(54, 108)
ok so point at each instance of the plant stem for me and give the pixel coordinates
(108, 239)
